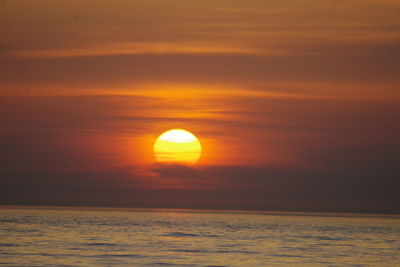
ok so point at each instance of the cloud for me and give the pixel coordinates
(295, 103)
(97, 130)
(364, 69)
(295, 154)
(333, 49)
(237, 187)
(362, 187)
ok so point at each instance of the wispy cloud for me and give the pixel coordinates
(296, 103)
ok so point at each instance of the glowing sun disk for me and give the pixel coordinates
(177, 145)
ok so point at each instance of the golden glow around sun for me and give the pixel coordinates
(177, 146)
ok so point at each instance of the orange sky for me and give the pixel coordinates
(273, 89)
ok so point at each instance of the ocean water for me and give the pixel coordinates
(129, 237)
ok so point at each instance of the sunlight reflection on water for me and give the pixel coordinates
(93, 237)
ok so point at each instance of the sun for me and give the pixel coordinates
(177, 146)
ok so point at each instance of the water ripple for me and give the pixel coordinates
(180, 234)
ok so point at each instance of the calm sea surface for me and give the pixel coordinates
(110, 237)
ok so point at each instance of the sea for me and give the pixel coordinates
(65, 236)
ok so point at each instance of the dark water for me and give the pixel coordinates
(109, 237)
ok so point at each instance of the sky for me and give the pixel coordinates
(296, 103)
